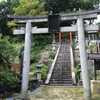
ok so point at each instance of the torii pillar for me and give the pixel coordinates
(26, 59)
(72, 59)
(83, 59)
(54, 42)
(60, 37)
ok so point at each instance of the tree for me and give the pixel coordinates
(57, 6)
(7, 52)
(40, 7)
(5, 9)
(3, 18)
(30, 7)
(88, 4)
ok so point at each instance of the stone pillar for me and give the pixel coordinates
(26, 59)
(83, 59)
(72, 60)
(54, 42)
(59, 37)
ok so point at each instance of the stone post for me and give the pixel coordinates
(72, 60)
(83, 59)
(54, 42)
(59, 37)
(26, 59)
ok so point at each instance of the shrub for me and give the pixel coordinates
(7, 52)
(8, 79)
(7, 56)
(77, 72)
(44, 71)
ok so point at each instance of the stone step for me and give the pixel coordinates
(61, 82)
(62, 76)
(62, 72)
(62, 69)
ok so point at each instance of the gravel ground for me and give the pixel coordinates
(57, 93)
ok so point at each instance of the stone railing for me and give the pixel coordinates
(52, 66)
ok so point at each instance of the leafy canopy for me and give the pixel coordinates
(30, 7)
(6, 7)
(7, 52)
(40, 7)
(57, 6)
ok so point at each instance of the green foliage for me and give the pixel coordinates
(42, 39)
(30, 7)
(11, 4)
(12, 24)
(35, 53)
(44, 71)
(3, 18)
(8, 78)
(5, 9)
(52, 54)
(77, 72)
(92, 47)
(33, 68)
(57, 6)
(39, 43)
(74, 43)
(86, 4)
(7, 52)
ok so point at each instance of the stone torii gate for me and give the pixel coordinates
(80, 27)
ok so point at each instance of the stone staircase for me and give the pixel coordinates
(62, 70)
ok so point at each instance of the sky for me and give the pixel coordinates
(2, 0)
(98, 19)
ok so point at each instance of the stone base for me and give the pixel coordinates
(95, 87)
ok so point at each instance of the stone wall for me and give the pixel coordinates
(95, 86)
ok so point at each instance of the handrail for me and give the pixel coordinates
(52, 66)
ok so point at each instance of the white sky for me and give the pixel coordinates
(98, 19)
(2, 0)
